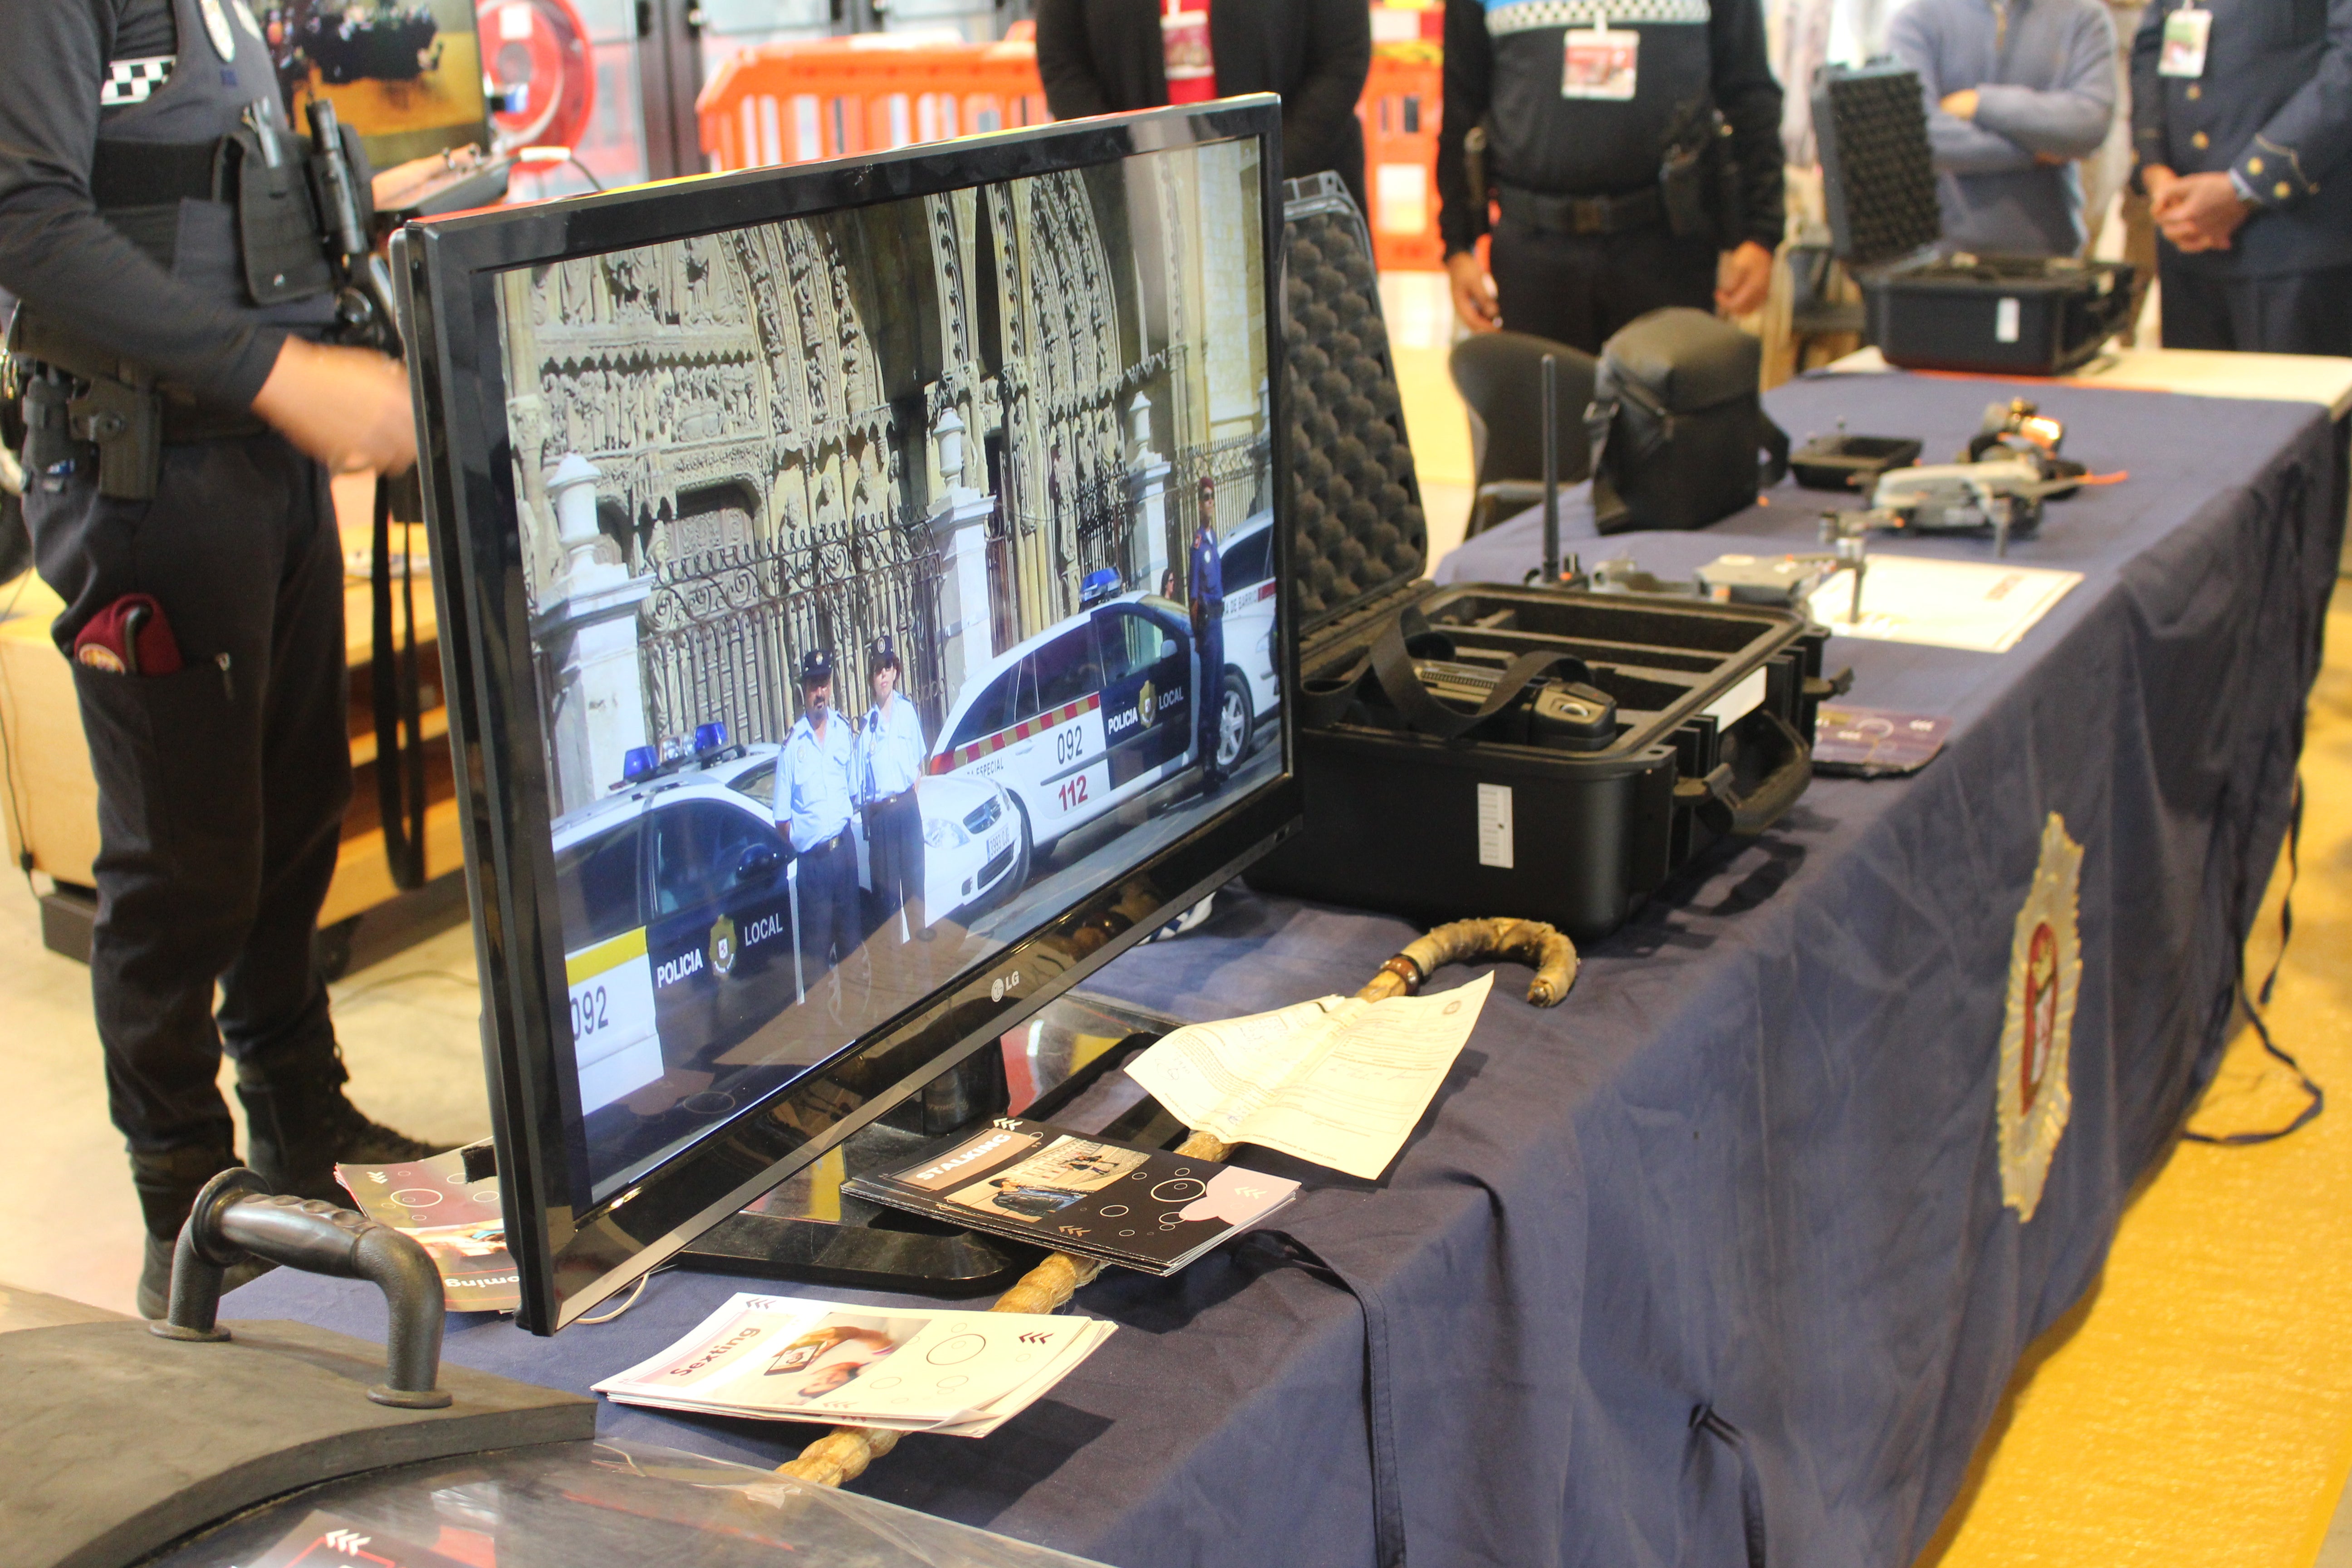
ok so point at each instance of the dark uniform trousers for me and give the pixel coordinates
(827, 885)
(1577, 288)
(894, 847)
(1208, 703)
(221, 788)
(2292, 313)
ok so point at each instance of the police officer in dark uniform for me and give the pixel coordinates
(1205, 588)
(2242, 121)
(1627, 145)
(172, 288)
(890, 761)
(815, 796)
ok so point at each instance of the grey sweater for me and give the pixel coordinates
(2045, 80)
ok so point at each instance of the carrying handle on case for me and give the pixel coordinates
(1727, 811)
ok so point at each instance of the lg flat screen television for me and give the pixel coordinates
(860, 617)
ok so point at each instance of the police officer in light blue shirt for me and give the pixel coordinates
(890, 759)
(2017, 91)
(815, 794)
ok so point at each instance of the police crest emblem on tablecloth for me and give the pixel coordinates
(2045, 975)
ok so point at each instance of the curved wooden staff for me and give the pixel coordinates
(843, 1454)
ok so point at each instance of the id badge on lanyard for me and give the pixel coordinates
(2186, 31)
(1184, 39)
(1599, 63)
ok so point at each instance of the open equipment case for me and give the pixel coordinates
(1536, 750)
(2006, 315)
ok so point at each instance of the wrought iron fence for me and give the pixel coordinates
(724, 631)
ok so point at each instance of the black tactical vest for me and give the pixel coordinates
(198, 166)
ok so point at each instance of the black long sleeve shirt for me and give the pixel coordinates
(63, 261)
(1102, 57)
(1504, 61)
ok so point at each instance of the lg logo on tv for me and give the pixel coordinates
(1003, 984)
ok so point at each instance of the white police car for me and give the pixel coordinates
(675, 898)
(1085, 715)
(1251, 689)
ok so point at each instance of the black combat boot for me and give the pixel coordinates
(300, 1125)
(168, 1183)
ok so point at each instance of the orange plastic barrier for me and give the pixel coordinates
(828, 98)
(1401, 101)
(797, 103)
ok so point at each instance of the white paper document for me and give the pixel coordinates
(786, 1358)
(1337, 1080)
(1983, 606)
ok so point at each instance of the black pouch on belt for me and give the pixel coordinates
(276, 217)
(50, 450)
(1697, 178)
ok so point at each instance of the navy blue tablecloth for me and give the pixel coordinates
(1710, 1264)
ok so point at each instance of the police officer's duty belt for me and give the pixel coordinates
(1581, 214)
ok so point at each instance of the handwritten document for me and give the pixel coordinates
(1337, 1080)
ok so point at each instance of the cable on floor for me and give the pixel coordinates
(2319, 1096)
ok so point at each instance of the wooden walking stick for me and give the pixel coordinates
(843, 1454)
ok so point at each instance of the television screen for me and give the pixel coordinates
(886, 590)
(407, 75)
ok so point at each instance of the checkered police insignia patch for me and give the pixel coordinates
(134, 81)
(1532, 15)
(2031, 1097)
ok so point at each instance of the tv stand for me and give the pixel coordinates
(1061, 1066)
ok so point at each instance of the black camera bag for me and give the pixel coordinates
(1677, 424)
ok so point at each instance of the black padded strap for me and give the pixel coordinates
(1421, 709)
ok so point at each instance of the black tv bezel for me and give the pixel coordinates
(445, 270)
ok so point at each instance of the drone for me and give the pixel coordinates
(2011, 466)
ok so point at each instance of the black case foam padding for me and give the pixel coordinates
(1356, 505)
(1877, 177)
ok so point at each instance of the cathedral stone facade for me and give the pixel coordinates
(804, 435)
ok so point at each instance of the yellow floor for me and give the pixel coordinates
(2198, 1407)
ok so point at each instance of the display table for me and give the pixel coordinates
(1729, 1220)
(2323, 379)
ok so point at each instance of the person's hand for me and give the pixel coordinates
(1473, 292)
(1960, 105)
(2154, 178)
(2199, 212)
(1743, 280)
(347, 407)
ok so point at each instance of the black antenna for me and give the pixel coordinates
(1551, 468)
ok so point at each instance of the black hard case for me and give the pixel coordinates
(2010, 315)
(1391, 815)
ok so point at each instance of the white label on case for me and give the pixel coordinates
(2004, 321)
(1494, 826)
(1739, 701)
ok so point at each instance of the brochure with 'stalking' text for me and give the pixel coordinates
(1030, 1181)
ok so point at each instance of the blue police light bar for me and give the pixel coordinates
(708, 738)
(1102, 583)
(637, 762)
